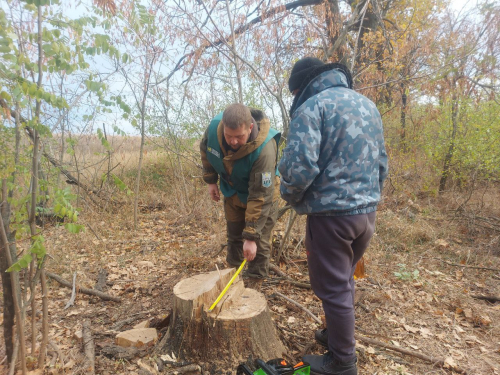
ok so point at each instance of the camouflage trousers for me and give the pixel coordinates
(235, 217)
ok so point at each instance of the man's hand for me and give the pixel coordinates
(213, 191)
(249, 250)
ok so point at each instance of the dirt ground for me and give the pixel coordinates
(425, 269)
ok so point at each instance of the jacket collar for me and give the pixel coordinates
(326, 79)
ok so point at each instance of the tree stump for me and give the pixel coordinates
(239, 326)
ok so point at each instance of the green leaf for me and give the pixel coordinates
(120, 184)
(32, 90)
(74, 228)
(5, 95)
(21, 263)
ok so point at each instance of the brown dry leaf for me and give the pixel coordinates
(280, 309)
(70, 364)
(410, 328)
(459, 274)
(468, 314)
(441, 244)
(425, 332)
(449, 362)
(484, 320)
(145, 263)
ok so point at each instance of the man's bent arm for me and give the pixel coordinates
(260, 191)
(210, 176)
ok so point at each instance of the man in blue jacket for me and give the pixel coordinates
(333, 169)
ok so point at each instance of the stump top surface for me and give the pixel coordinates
(247, 305)
(195, 286)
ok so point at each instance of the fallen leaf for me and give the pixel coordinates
(484, 320)
(425, 332)
(70, 364)
(442, 244)
(449, 362)
(411, 329)
(468, 314)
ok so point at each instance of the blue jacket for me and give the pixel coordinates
(335, 161)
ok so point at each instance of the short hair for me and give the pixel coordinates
(236, 115)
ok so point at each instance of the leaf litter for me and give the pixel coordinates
(433, 314)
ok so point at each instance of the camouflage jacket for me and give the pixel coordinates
(261, 195)
(335, 161)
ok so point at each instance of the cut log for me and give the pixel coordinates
(239, 326)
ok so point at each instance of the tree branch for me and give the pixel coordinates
(91, 292)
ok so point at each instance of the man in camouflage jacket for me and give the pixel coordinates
(239, 149)
(333, 169)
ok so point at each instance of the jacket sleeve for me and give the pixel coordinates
(299, 164)
(210, 176)
(260, 192)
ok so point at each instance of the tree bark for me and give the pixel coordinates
(88, 347)
(8, 300)
(15, 288)
(451, 148)
(333, 27)
(404, 99)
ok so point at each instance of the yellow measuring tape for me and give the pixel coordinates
(227, 286)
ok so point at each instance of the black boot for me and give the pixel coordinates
(321, 336)
(327, 365)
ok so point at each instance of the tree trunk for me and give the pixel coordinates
(235, 55)
(4, 241)
(239, 326)
(404, 99)
(333, 27)
(8, 300)
(369, 23)
(451, 148)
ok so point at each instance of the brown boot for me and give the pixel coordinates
(253, 283)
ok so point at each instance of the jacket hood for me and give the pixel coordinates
(328, 77)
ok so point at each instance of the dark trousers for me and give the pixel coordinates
(235, 216)
(334, 245)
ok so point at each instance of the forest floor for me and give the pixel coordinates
(425, 267)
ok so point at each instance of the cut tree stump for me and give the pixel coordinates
(241, 324)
